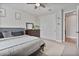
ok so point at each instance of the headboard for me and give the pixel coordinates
(7, 32)
(11, 29)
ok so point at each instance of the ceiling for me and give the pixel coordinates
(50, 7)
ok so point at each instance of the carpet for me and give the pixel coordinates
(53, 48)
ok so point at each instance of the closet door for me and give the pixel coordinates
(51, 26)
(48, 26)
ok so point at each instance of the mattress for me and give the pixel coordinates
(6, 43)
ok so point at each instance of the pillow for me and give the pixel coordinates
(7, 34)
(17, 33)
(1, 35)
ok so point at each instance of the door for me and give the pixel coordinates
(71, 27)
(76, 31)
(48, 26)
(77, 27)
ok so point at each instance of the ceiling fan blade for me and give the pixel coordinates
(31, 3)
(42, 5)
(35, 7)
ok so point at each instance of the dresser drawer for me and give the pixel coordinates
(33, 32)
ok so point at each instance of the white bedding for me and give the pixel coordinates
(11, 42)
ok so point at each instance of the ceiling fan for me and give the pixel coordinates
(38, 5)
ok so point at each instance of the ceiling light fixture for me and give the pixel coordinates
(37, 4)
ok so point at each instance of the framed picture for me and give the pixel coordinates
(2, 12)
(17, 16)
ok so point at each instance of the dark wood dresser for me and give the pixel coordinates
(31, 32)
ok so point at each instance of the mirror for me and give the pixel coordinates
(29, 25)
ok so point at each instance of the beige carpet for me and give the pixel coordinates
(53, 48)
(56, 49)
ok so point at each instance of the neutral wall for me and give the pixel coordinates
(10, 21)
(51, 26)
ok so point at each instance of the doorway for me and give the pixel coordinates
(70, 35)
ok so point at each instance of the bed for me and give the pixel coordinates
(19, 44)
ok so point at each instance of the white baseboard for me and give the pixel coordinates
(60, 41)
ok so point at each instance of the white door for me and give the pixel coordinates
(48, 26)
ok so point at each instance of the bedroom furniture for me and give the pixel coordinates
(31, 32)
(17, 33)
(29, 25)
(1, 35)
(18, 44)
(9, 32)
(11, 29)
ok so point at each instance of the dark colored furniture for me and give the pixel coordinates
(1, 35)
(17, 33)
(31, 32)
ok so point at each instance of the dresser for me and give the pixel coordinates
(31, 32)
